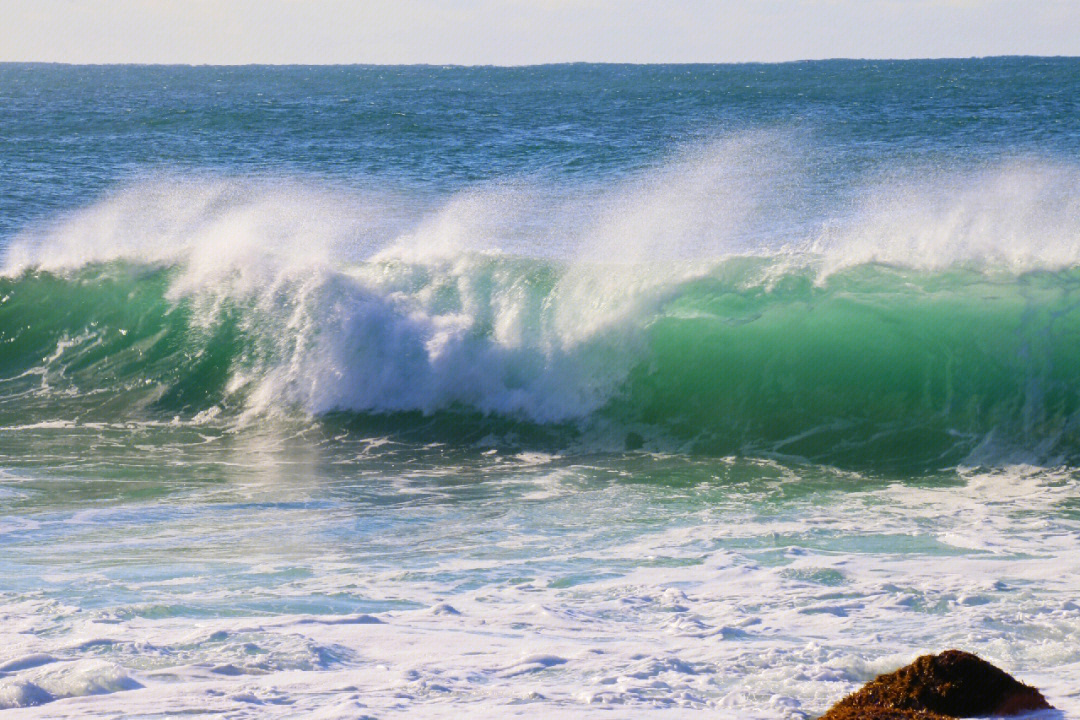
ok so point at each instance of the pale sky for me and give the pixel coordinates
(516, 32)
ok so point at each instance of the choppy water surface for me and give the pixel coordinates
(347, 392)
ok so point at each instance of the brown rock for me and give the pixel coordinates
(877, 713)
(936, 687)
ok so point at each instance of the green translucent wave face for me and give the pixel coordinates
(871, 367)
(877, 364)
(106, 345)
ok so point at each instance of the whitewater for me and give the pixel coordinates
(677, 391)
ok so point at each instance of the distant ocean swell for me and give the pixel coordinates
(844, 349)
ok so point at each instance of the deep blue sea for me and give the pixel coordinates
(558, 391)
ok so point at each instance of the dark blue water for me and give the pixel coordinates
(69, 133)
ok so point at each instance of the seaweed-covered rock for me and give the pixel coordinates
(935, 687)
(877, 713)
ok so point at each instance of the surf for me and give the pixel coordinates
(878, 361)
(923, 327)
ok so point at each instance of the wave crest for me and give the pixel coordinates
(927, 322)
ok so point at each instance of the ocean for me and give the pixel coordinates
(558, 391)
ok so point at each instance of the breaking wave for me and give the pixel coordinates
(919, 325)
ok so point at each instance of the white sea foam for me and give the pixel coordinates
(772, 617)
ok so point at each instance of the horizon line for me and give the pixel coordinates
(545, 64)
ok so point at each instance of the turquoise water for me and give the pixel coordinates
(375, 391)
